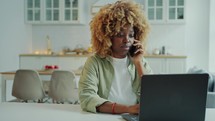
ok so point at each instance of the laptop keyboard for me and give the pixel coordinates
(130, 117)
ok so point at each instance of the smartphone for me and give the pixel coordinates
(132, 50)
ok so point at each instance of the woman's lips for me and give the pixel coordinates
(128, 44)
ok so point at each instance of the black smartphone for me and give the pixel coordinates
(132, 50)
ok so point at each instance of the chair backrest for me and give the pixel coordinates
(211, 79)
(27, 85)
(63, 87)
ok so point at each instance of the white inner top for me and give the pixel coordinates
(121, 88)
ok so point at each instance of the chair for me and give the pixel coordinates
(63, 87)
(27, 86)
(210, 103)
(211, 93)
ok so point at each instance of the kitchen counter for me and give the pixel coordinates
(56, 55)
(165, 56)
(158, 63)
(87, 55)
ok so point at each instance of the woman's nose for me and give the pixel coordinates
(126, 39)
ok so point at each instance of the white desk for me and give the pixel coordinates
(44, 75)
(59, 112)
(50, 112)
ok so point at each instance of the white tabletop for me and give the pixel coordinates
(59, 112)
(50, 112)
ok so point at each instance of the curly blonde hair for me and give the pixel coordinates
(111, 18)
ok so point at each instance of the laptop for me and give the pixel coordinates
(172, 97)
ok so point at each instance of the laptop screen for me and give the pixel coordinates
(173, 97)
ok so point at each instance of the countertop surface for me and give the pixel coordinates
(87, 55)
(60, 112)
(50, 112)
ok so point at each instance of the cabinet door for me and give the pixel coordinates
(176, 65)
(158, 65)
(70, 10)
(30, 63)
(48, 61)
(38, 63)
(71, 63)
(155, 10)
(33, 10)
(175, 10)
(52, 10)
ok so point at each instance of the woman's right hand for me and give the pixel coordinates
(134, 109)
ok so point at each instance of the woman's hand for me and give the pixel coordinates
(139, 53)
(134, 109)
(138, 56)
(108, 107)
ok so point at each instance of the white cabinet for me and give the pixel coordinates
(155, 10)
(165, 11)
(39, 61)
(176, 65)
(164, 65)
(36, 62)
(54, 11)
(33, 11)
(158, 63)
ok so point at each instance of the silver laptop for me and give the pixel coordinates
(172, 97)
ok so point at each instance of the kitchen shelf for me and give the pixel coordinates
(56, 55)
(158, 63)
(87, 55)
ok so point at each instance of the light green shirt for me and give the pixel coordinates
(96, 79)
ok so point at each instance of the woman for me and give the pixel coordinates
(110, 80)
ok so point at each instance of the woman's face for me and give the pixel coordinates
(122, 42)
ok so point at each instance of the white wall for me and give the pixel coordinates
(61, 36)
(212, 37)
(197, 33)
(15, 36)
(172, 36)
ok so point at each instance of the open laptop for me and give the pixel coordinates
(172, 97)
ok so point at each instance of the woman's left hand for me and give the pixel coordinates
(139, 53)
(138, 56)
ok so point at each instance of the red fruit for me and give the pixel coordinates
(46, 66)
(56, 67)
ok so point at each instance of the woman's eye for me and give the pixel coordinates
(131, 35)
(120, 35)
